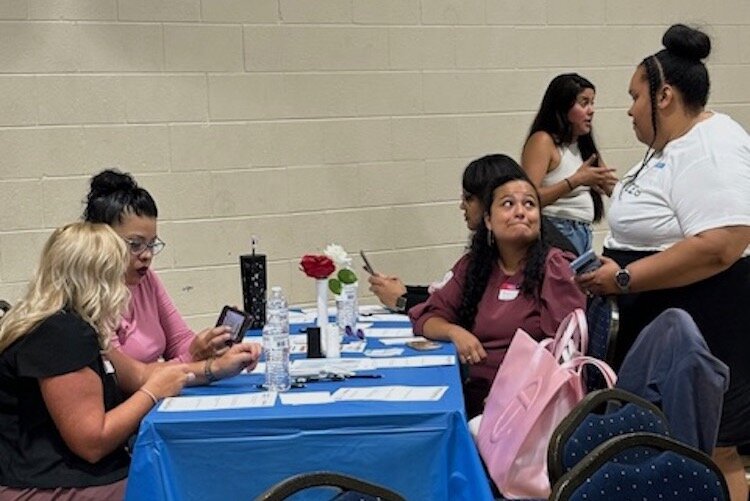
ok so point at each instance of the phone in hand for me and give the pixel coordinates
(237, 320)
(367, 267)
(586, 262)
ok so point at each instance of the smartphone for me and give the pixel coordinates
(237, 320)
(586, 262)
(368, 267)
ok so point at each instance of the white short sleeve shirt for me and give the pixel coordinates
(698, 182)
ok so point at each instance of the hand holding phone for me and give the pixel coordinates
(367, 266)
(586, 262)
(237, 320)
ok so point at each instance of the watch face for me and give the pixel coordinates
(622, 278)
(401, 303)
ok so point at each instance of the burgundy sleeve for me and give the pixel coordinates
(560, 294)
(444, 302)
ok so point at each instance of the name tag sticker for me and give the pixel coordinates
(508, 292)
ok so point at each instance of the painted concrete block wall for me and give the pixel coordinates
(306, 121)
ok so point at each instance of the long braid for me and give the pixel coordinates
(655, 79)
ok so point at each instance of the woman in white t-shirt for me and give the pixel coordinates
(680, 226)
(561, 158)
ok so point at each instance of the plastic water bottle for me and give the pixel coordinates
(277, 310)
(276, 348)
(276, 343)
(347, 307)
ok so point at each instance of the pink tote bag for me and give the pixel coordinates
(537, 385)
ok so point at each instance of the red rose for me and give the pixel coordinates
(316, 266)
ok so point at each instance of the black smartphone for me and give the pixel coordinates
(368, 267)
(237, 320)
(588, 261)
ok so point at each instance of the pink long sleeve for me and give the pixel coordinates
(152, 327)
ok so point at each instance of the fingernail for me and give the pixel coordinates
(190, 376)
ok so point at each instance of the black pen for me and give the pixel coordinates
(365, 376)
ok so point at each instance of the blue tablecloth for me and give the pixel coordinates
(423, 450)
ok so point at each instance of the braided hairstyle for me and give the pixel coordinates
(552, 118)
(482, 257)
(114, 194)
(680, 65)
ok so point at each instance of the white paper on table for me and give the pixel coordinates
(298, 348)
(355, 347)
(423, 361)
(392, 393)
(302, 317)
(385, 317)
(298, 338)
(380, 332)
(305, 366)
(373, 309)
(384, 352)
(306, 398)
(390, 341)
(220, 402)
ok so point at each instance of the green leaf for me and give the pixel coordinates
(347, 276)
(334, 285)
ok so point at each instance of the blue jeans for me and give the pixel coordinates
(579, 233)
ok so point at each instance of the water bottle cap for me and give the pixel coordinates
(276, 288)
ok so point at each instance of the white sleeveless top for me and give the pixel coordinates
(576, 205)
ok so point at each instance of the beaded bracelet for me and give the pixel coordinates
(150, 394)
(210, 376)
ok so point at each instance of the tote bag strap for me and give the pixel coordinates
(578, 363)
(572, 337)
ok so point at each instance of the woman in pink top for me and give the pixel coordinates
(151, 328)
(510, 278)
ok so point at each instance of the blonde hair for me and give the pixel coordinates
(82, 269)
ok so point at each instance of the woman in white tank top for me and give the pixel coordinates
(561, 158)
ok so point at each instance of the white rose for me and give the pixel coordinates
(337, 254)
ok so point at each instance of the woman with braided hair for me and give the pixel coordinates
(511, 278)
(680, 226)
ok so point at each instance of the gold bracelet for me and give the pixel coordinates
(210, 376)
(150, 394)
(570, 185)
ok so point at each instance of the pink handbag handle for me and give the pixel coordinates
(572, 329)
(578, 363)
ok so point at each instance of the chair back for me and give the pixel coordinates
(344, 487)
(600, 416)
(642, 466)
(603, 319)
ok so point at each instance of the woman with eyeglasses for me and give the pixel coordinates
(151, 328)
(68, 402)
(680, 225)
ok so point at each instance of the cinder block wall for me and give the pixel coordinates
(303, 121)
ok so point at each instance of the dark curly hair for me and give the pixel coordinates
(482, 257)
(114, 194)
(552, 118)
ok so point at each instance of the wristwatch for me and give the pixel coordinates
(401, 304)
(622, 279)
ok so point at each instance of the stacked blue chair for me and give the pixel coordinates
(601, 415)
(642, 466)
(342, 488)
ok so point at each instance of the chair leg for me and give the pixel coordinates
(729, 462)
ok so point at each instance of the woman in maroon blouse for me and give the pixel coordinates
(510, 278)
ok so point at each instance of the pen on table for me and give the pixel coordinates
(365, 376)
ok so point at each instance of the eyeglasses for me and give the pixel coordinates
(138, 246)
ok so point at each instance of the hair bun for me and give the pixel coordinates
(687, 42)
(111, 181)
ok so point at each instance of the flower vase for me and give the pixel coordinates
(321, 289)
